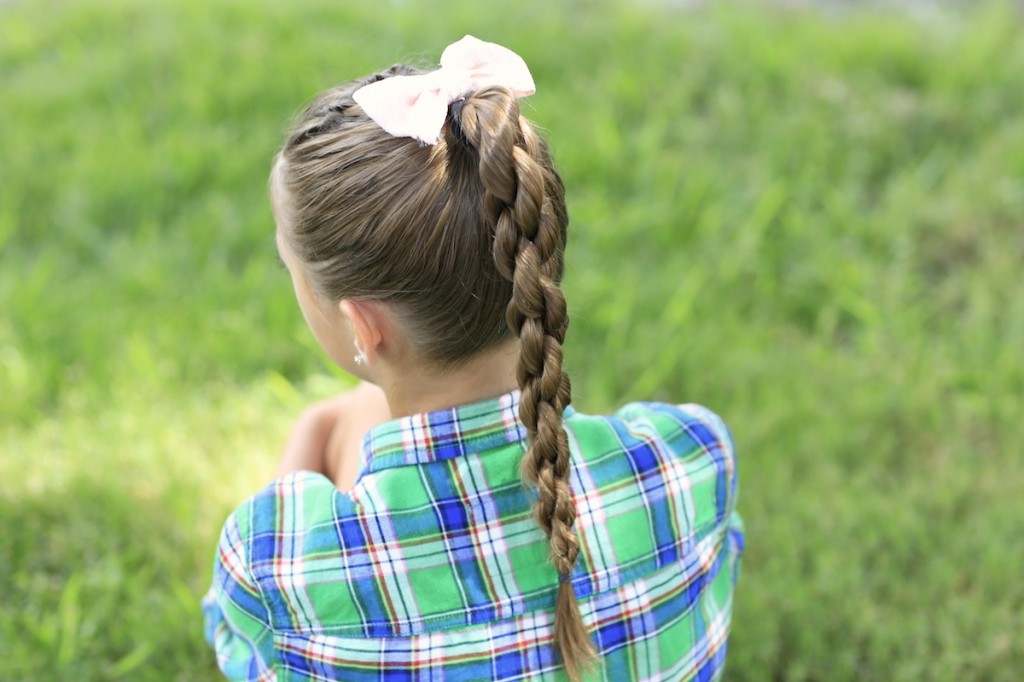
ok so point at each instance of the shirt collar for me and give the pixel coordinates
(443, 434)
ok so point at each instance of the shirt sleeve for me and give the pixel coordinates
(708, 430)
(722, 441)
(237, 622)
(735, 532)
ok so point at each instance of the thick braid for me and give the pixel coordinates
(529, 241)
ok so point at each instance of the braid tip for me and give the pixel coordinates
(571, 636)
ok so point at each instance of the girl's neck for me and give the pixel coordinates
(412, 390)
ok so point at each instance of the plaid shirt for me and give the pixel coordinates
(432, 567)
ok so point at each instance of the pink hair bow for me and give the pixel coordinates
(416, 106)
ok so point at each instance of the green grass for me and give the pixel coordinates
(811, 222)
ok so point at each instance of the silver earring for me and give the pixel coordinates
(360, 359)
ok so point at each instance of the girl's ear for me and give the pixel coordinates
(368, 327)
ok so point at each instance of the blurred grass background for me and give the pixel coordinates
(810, 220)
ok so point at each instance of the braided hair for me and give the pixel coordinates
(529, 242)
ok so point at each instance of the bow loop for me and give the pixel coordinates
(416, 106)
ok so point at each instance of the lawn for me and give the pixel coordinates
(811, 221)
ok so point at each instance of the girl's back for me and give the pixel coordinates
(433, 568)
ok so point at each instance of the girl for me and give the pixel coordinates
(482, 528)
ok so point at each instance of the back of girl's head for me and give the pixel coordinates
(377, 217)
(464, 240)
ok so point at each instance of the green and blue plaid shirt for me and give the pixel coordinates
(432, 567)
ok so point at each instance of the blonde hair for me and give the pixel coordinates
(465, 240)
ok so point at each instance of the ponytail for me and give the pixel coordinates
(529, 240)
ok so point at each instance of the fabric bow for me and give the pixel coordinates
(416, 106)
